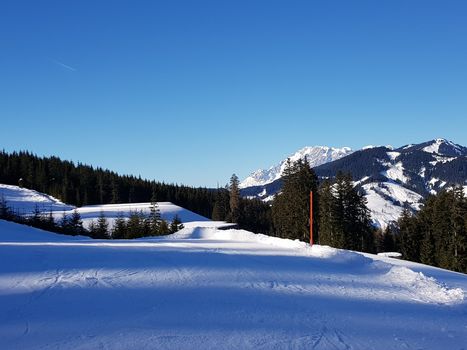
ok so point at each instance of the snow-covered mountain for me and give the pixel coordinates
(393, 179)
(316, 156)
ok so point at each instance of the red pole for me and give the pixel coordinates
(311, 218)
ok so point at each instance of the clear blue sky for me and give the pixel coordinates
(192, 91)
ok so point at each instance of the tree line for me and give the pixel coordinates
(250, 214)
(80, 184)
(341, 218)
(437, 234)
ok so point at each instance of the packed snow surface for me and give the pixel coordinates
(203, 288)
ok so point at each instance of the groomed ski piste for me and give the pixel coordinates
(205, 288)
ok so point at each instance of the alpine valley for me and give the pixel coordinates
(391, 179)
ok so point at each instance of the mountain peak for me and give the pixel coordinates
(316, 155)
(444, 147)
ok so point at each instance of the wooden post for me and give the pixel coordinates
(311, 218)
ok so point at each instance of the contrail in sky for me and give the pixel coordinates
(64, 65)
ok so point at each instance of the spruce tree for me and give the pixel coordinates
(102, 227)
(221, 207)
(291, 208)
(175, 225)
(326, 207)
(76, 224)
(119, 229)
(234, 192)
(154, 219)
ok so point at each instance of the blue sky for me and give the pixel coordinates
(193, 91)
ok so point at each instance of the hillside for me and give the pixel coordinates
(24, 202)
(210, 289)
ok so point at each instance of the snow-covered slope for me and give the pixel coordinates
(211, 289)
(316, 155)
(25, 201)
(386, 201)
(112, 211)
(13, 232)
(443, 147)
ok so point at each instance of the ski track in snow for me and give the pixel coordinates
(210, 289)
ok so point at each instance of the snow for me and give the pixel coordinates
(24, 201)
(368, 147)
(362, 180)
(434, 146)
(393, 155)
(391, 255)
(316, 156)
(422, 171)
(441, 159)
(382, 210)
(112, 211)
(209, 289)
(395, 172)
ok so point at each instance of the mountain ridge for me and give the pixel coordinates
(316, 155)
(392, 178)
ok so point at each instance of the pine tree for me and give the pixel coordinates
(459, 221)
(221, 207)
(326, 206)
(291, 208)
(102, 227)
(175, 225)
(119, 229)
(164, 228)
(234, 192)
(5, 212)
(92, 229)
(410, 236)
(427, 249)
(154, 219)
(75, 224)
(134, 225)
(64, 224)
